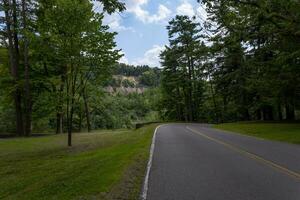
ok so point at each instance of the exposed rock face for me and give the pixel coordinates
(123, 90)
(125, 85)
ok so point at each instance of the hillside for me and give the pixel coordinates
(128, 79)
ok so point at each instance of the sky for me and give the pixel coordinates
(142, 33)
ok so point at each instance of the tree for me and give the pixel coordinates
(10, 32)
(183, 73)
(55, 48)
(84, 50)
(251, 45)
(246, 67)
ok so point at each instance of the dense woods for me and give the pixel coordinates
(241, 63)
(54, 52)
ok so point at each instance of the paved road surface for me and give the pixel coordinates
(196, 162)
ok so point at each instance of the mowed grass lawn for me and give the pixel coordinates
(100, 165)
(285, 132)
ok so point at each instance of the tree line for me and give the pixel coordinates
(241, 63)
(53, 54)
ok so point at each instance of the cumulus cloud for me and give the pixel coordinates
(151, 57)
(124, 60)
(114, 21)
(136, 7)
(185, 8)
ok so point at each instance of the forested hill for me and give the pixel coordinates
(129, 78)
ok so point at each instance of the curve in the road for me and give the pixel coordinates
(251, 155)
(194, 162)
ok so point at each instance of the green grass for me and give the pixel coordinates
(285, 132)
(100, 165)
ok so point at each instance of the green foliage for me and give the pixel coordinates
(250, 65)
(68, 49)
(130, 70)
(250, 71)
(7, 113)
(128, 84)
(150, 78)
(183, 78)
(123, 111)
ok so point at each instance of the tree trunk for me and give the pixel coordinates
(69, 116)
(80, 118)
(190, 92)
(28, 100)
(13, 49)
(59, 123)
(245, 110)
(69, 121)
(224, 115)
(279, 112)
(267, 113)
(186, 104)
(178, 106)
(258, 114)
(71, 85)
(70, 125)
(60, 113)
(290, 111)
(214, 100)
(87, 112)
(18, 98)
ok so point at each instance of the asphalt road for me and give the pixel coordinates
(196, 162)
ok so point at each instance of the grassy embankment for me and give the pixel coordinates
(100, 165)
(285, 132)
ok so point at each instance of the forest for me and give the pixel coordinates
(242, 63)
(55, 49)
(56, 59)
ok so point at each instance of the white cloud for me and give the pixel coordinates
(114, 21)
(136, 7)
(98, 7)
(185, 8)
(124, 60)
(151, 57)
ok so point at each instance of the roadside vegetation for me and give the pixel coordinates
(100, 165)
(240, 63)
(285, 132)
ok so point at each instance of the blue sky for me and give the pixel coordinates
(141, 28)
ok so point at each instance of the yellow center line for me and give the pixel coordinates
(250, 155)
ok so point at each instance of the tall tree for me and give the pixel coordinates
(260, 30)
(10, 31)
(184, 38)
(84, 46)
